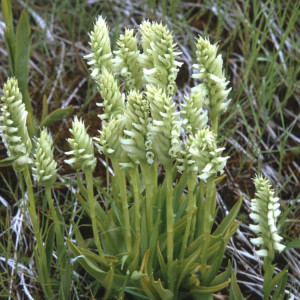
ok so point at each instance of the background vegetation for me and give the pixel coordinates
(259, 41)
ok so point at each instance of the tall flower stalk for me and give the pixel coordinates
(83, 158)
(265, 209)
(16, 139)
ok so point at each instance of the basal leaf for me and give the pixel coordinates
(57, 115)
(235, 292)
(229, 218)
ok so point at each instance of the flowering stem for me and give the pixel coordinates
(191, 203)
(170, 224)
(267, 277)
(148, 175)
(136, 193)
(37, 233)
(120, 175)
(209, 199)
(92, 205)
(199, 223)
(59, 236)
(215, 123)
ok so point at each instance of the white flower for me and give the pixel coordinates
(265, 211)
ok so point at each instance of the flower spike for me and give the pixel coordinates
(13, 128)
(44, 170)
(82, 148)
(265, 212)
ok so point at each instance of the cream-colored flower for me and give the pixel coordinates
(44, 169)
(265, 211)
(82, 148)
(13, 124)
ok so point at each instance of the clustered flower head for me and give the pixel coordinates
(109, 141)
(193, 115)
(201, 155)
(113, 104)
(82, 148)
(126, 60)
(13, 124)
(165, 126)
(265, 209)
(159, 57)
(101, 55)
(44, 170)
(138, 143)
(210, 67)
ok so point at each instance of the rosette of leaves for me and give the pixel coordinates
(82, 148)
(138, 143)
(101, 55)
(113, 103)
(165, 127)
(44, 170)
(13, 125)
(159, 57)
(127, 60)
(210, 67)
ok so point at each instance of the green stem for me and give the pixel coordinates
(149, 178)
(136, 193)
(59, 236)
(170, 224)
(121, 180)
(215, 123)
(267, 277)
(36, 229)
(92, 205)
(209, 199)
(191, 204)
(199, 221)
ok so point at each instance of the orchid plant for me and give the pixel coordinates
(154, 236)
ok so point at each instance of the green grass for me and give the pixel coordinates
(260, 47)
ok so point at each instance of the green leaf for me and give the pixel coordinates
(66, 281)
(161, 261)
(229, 218)
(108, 282)
(188, 266)
(279, 279)
(9, 34)
(220, 278)
(7, 162)
(216, 263)
(57, 115)
(200, 290)
(134, 256)
(22, 58)
(293, 244)
(49, 245)
(155, 290)
(235, 292)
(92, 268)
